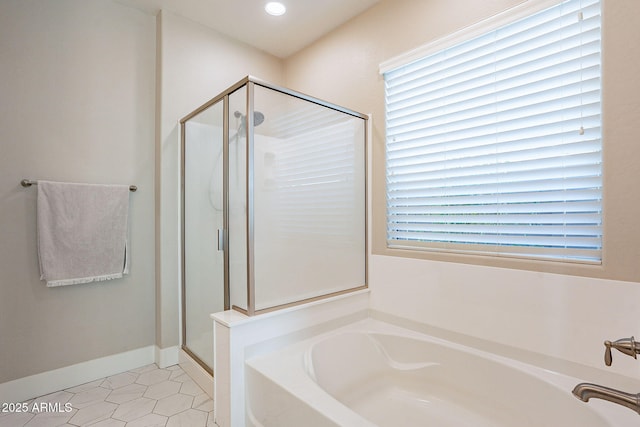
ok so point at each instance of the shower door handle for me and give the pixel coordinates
(221, 237)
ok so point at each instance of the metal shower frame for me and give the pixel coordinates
(250, 82)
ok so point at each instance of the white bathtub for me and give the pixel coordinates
(371, 373)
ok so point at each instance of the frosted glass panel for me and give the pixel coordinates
(309, 200)
(287, 194)
(238, 199)
(204, 264)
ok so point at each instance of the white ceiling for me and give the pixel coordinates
(246, 20)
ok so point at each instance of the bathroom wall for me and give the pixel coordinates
(76, 104)
(531, 308)
(93, 92)
(195, 64)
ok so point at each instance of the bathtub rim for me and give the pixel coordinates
(525, 361)
(540, 360)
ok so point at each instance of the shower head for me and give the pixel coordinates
(258, 118)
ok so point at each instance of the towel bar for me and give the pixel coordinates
(29, 183)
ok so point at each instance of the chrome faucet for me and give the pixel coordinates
(586, 391)
(628, 346)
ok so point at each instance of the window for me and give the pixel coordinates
(493, 144)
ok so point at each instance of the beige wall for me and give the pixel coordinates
(524, 304)
(76, 104)
(195, 64)
(80, 103)
(343, 68)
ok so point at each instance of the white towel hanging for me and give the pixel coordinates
(82, 232)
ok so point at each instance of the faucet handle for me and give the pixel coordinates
(628, 346)
(607, 353)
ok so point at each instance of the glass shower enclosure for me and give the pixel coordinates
(273, 205)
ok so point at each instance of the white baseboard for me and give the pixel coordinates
(167, 356)
(37, 385)
(197, 373)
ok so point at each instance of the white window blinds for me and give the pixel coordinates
(494, 144)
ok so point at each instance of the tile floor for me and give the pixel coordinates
(143, 397)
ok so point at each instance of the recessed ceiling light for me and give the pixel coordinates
(275, 8)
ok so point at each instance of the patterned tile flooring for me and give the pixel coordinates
(143, 397)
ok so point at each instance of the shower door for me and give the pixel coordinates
(203, 256)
